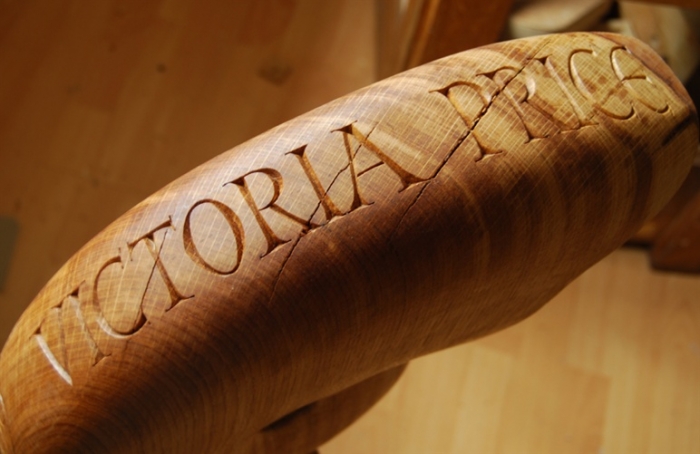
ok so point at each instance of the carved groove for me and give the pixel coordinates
(234, 223)
(60, 370)
(488, 86)
(425, 219)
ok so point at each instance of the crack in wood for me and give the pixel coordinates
(294, 245)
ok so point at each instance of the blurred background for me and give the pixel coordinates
(104, 102)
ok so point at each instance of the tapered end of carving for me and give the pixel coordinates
(656, 64)
(647, 77)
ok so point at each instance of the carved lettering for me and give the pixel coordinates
(581, 117)
(132, 287)
(518, 94)
(329, 208)
(462, 96)
(234, 224)
(631, 72)
(357, 199)
(53, 319)
(65, 325)
(273, 241)
(140, 319)
(149, 240)
(541, 112)
(406, 177)
(471, 101)
(600, 87)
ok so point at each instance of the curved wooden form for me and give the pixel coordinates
(264, 300)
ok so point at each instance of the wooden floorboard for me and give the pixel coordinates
(611, 365)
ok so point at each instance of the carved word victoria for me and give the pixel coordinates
(549, 95)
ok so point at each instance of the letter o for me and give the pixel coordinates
(234, 224)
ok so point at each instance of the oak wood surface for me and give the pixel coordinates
(396, 23)
(105, 102)
(691, 4)
(332, 249)
(538, 17)
(413, 32)
(489, 158)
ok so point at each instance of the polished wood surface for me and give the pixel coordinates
(104, 103)
(413, 32)
(690, 4)
(397, 21)
(278, 68)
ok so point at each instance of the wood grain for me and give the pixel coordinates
(691, 4)
(539, 17)
(397, 22)
(441, 29)
(678, 245)
(601, 368)
(429, 209)
(102, 104)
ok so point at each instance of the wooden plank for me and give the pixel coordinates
(388, 17)
(669, 30)
(538, 17)
(396, 24)
(451, 26)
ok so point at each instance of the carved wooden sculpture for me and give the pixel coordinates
(266, 299)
